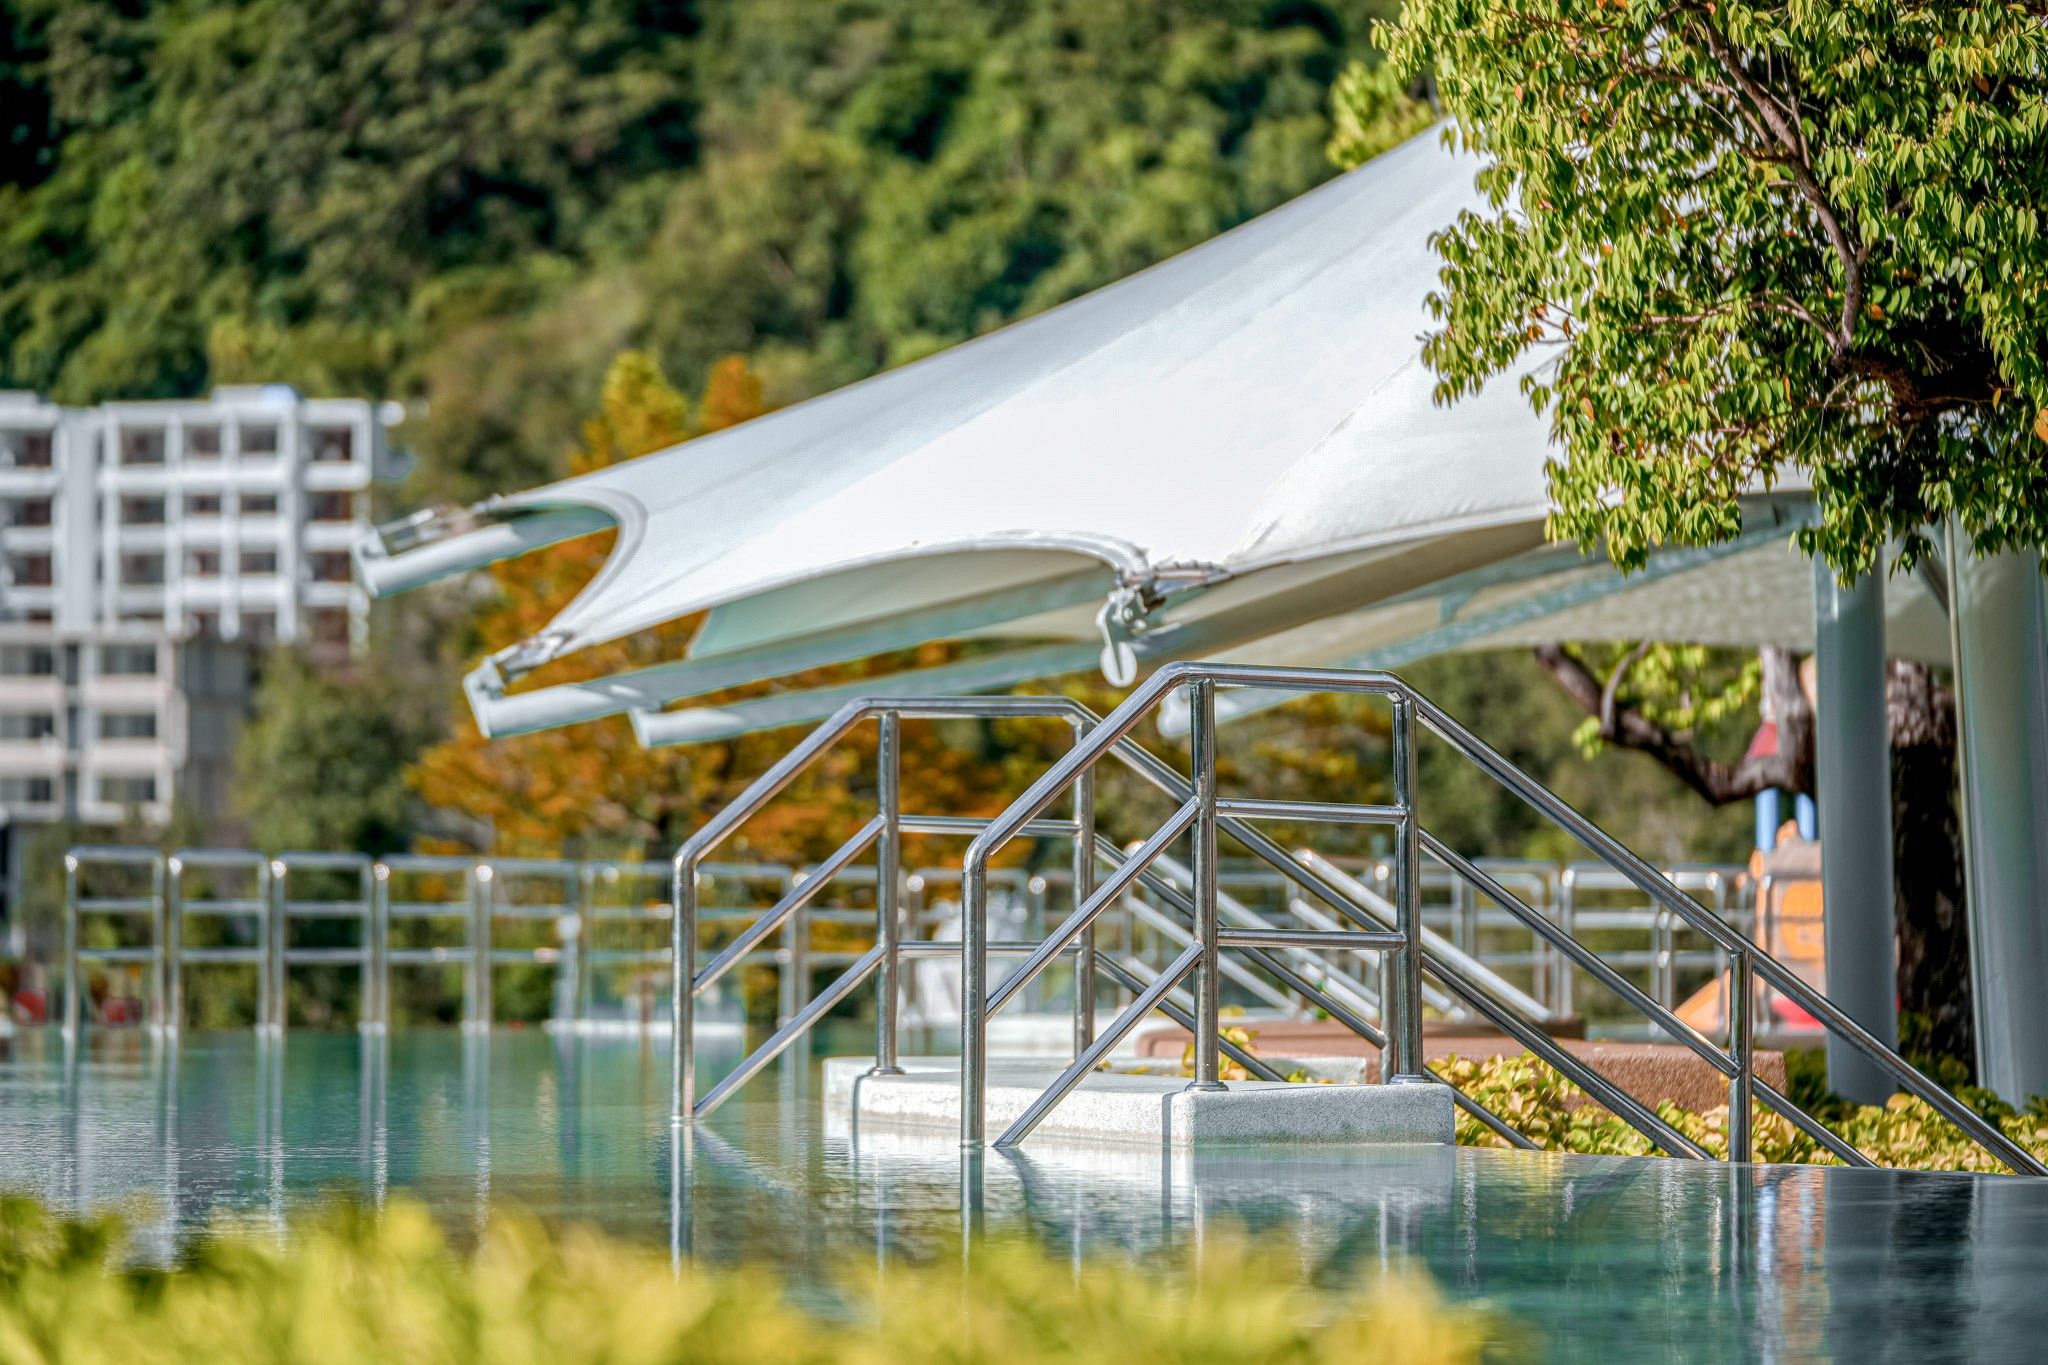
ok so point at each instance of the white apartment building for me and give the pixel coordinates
(148, 552)
(229, 517)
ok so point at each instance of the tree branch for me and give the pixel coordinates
(1789, 769)
(1771, 126)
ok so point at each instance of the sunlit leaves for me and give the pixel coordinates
(1745, 237)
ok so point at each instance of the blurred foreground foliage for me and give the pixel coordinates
(348, 1285)
(1904, 1133)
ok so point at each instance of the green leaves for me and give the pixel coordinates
(1739, 238)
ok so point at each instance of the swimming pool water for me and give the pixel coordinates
(1606, 1258)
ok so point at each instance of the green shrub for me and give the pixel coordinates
(349, 1286)
(1905, 1133)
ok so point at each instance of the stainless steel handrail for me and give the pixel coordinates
(885, 832)
(1744, 956)
(1404, 967)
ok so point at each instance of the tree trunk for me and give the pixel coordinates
(1927, 863)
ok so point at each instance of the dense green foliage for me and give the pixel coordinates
(350, 1286)
(479, 203)
(1745, 235)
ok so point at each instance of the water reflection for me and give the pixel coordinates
(1629, 1259)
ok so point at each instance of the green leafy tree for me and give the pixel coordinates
(321, 765)
(1728, 239)
(1750, 235)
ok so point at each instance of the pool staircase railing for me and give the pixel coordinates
(1304, 962)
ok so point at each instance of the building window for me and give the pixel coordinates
(333, 445)
(142, 511)
(259, 440)
(142, 571)
(331, 506)
(202, 504)
(202, 563)
(142, 445)
(28, 661)
(127, 791)
(259, 563)
(127, 725)
(31, 512)
(259, 504)
(27, 791)
(32, 571)
(259, 627)
(205, 624)
(328, 627)
(25, 449)
(128, 661)
(27, 725)
(330, 566)
(202, 443)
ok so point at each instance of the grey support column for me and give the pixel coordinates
(2002, 704)
(1853, 752)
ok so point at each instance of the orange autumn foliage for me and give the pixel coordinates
(593, 786)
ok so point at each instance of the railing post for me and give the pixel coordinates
(569, 946)
(270, 892)
(172, 1006)
(683, 1000)
(1404, 1030)
(586, 931)
(1741, 1026)
(159, 913)
(1202, 867)
(70, 1016)
(481, 889)
(888, 883)
(1084, 887)
(379, 968)
(973, 1000)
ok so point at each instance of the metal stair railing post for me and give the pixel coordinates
(888, 884)
(1406, 1065)
(1202, 863)
(1741, 1013)
(1083, 889)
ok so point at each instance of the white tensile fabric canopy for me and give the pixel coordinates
(1233, 452)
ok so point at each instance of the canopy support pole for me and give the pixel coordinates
(2001, 630)
(1852, 752)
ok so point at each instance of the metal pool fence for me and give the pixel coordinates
(594, 921)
